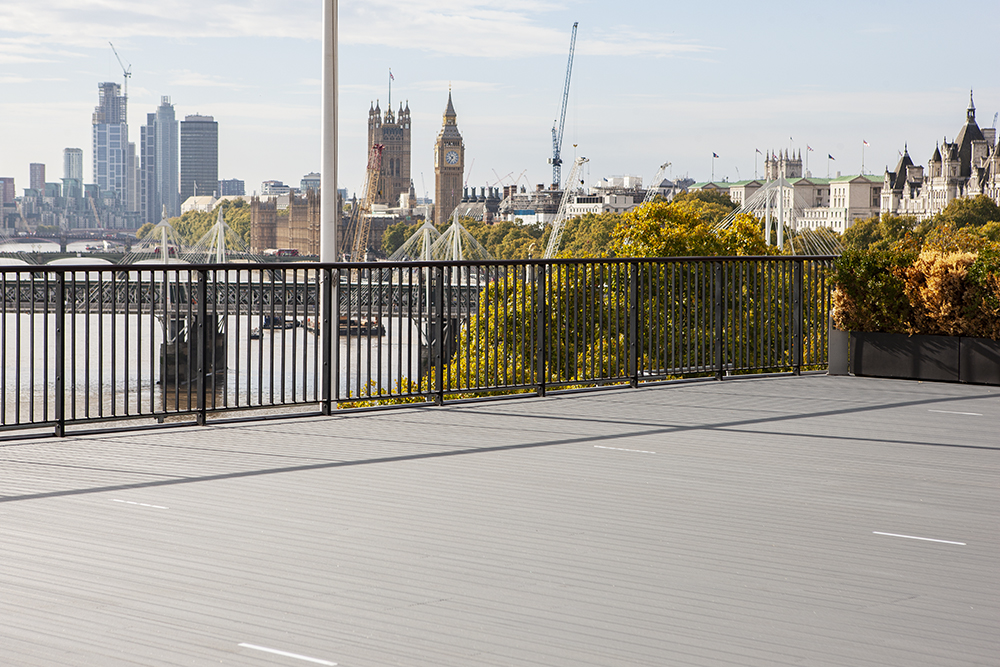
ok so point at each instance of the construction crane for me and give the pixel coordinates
(126, 71)
(373, 187)
(651, 190)
(555, 236)
(557, 136)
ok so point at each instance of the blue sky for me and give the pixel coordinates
(652, 81)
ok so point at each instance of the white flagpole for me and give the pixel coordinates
(329, 215)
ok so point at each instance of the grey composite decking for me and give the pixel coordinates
(719, 523)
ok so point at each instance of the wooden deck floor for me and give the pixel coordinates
(784, 521)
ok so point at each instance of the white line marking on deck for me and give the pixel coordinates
(287, 654)
(925, 539)
(619, 449)
(129, 502)
(952, 412)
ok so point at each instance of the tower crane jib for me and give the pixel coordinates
(557, 136)
(126, 71)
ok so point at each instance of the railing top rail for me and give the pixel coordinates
(315, 266)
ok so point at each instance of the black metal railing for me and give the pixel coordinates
(91, 344)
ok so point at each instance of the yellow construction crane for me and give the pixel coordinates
(373, 191)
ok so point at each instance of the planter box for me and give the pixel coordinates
(902, 356)
(940, 358)
(979, 361)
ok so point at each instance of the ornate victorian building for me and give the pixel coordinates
(392, 130)
(966, 167)
(449, 165)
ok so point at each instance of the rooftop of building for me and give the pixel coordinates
(766, 521)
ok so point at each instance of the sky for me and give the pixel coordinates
(652, 82)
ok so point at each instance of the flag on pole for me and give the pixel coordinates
(391, 77)
(758, 150)
(865, 142)
(809, 148)
(830, 157)
(715, 155)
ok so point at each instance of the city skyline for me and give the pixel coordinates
(652, 85)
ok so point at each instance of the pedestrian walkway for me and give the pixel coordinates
(773, 521)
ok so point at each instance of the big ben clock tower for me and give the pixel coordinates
(449, 165)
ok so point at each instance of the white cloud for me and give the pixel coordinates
(198, 79)
(476, 28)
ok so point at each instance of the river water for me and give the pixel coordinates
(113, 365)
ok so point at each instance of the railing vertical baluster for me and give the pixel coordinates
(540, 317)
(202, 338)
(60, 351)
(633, 325)
(437, 310)
(797, 342)
(720, 328)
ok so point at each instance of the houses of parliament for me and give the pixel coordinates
(295, 222)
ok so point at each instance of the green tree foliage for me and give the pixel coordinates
(589, 235)
(507, 240)
(676, 230)
(708, 197)
(396, 235)
(880, 233)
(193, 225)
(969, 212)
(143, 231)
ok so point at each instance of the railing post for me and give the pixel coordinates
(437, 323)
(60, 361)
(201, 336)
(720, 325)
(326, 337)
(541, 357)
(797, 328)
(633, 326)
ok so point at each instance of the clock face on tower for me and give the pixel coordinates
(451, 157)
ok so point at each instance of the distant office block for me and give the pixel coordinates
(199, 156)
(232, 187)
(36, 176)
(310, 181)
(73, 163)
(273, 189)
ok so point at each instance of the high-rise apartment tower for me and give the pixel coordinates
(110, 142)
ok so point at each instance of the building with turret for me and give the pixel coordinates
(785, 165)
(449, 165)
(392, 130)
(965, 167)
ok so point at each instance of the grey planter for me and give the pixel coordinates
(939, 358)
(979, 361)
